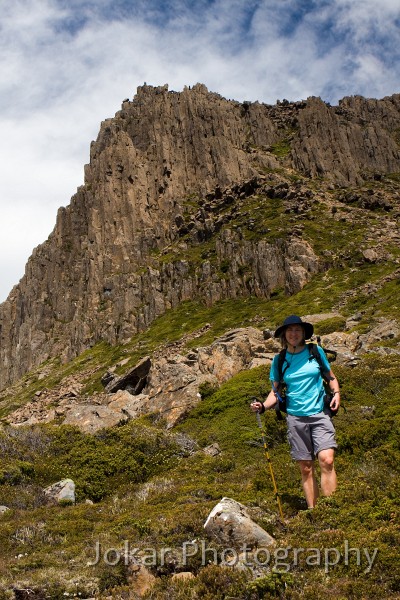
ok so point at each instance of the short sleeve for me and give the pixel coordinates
(325, 362)
(274, 372)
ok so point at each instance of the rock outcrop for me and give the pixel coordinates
(168, 174)
(169, 382)
(348, 141)
(169, 385)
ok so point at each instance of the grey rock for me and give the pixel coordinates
(370, 255)
(212, 450)
(93, 417)
(63, 490)
(385, 330)
(367, 410)
(230, 524)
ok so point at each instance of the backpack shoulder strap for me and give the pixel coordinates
(281, 361)
(314, 353)
(280, 403)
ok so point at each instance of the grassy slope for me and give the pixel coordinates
(155, 488)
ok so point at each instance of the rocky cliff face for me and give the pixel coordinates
(158, 220)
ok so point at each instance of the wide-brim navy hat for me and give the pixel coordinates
(295, 320)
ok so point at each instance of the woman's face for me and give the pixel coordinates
(294, 335)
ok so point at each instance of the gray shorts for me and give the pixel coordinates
(309, 435)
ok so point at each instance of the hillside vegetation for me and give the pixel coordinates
(153, 487)
(339, 224)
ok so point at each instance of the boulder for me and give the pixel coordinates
(92, 417)
(182, 576)
(345, 344)
(230, 524)
(140, 579)
(63, 490)
(317, 317)
(232, 352)
(127, 406)
(212, 450)
(370, 255)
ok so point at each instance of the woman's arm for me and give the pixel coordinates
(334, 387)
(269, 402)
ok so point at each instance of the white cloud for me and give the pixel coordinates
(66, 66)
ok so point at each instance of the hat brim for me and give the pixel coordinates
(308, 330)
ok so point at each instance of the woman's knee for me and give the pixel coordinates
(326, 459)
(306, 467)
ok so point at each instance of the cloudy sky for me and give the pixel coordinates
(66, 65)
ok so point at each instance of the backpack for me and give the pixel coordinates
(314, 354)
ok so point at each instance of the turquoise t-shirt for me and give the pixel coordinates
(304, 383)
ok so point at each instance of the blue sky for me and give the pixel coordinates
(66, 65)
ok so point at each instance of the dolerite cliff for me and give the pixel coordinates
(168, 174)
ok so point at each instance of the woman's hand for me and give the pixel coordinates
(335, 402)
(257, 407)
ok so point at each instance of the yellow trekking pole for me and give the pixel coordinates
(267, 456)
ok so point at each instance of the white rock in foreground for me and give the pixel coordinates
(231, 525)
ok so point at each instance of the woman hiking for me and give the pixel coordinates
(311, 432)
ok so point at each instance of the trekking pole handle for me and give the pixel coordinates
(260, 410)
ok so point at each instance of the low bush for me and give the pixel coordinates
(330, 325)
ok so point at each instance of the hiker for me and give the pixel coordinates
(310, 429)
